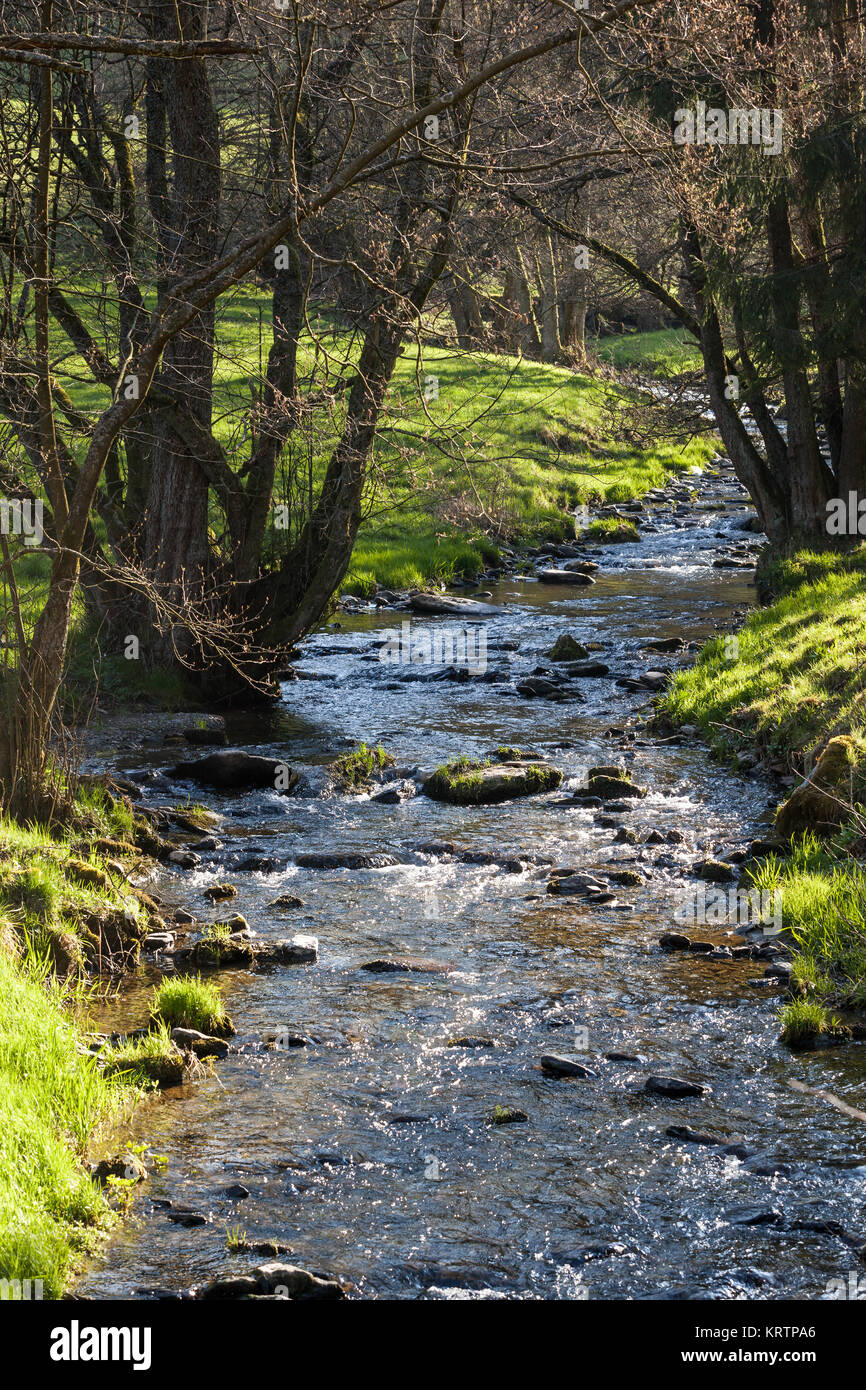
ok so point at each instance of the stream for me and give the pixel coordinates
(368, 1152)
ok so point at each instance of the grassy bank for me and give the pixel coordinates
(65, 909)
(796, 675)
(794, 679)
(53, 1100)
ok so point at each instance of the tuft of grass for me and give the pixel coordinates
(805, 1020)
(186, 1001)
(609, 530)
(822, 890)
(152, 1060)
(354, 771)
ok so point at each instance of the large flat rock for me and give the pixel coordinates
(433, 604)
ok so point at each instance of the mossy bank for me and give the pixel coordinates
(68, 916)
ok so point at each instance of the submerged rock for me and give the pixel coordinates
(347, 859)
(574, 577)
(407, 965)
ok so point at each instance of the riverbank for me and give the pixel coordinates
(71, 920)
(788, 689)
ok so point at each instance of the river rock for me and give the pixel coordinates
(715, 871)
(479, 785)
(158, 941)
(539, 687)
(234, 770)
(219, 952)
(674, 941)
(289, 1281)
(586, 669)
(674, 1087)
(556, 1065)
(687, 1135)
(347, 859)
(407, 965)
(448, 604)
(573, 577)
(567, 648)
(395, 793)
(230, 1286)
(127, 1166)
(191, 1040)
(664, 644)
(610, 784)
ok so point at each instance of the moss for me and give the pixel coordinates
(611, 531)
(567, 648)
(221, 892)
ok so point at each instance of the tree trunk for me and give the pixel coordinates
(175, 545)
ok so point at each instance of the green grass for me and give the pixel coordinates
(797, 674)
(610, 528)
(184, 1001)
(150, 1061)
(796, 679)
(52, 1100)
(503, 453)
(804, 1020)
(822, 888)
(665, 352)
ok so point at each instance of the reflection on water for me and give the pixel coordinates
(368, 1151)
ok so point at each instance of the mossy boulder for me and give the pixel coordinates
(221, 892)
(624, 533)
(822, 802)
(612, 784)
(567, 648)
(467, 783)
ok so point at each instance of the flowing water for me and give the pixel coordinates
(368, 1151)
